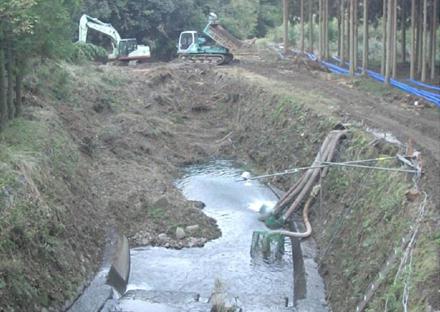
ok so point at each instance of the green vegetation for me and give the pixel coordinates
(84, 52)
(29, 29)
(43, 258)
(34, 157)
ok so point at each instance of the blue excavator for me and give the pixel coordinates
(214, 45)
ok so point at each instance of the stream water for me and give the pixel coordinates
(183, 280)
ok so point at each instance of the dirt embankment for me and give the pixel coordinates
(109, 149)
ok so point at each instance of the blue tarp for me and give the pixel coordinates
(433, 97)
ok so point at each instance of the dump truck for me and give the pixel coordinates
(214, 46)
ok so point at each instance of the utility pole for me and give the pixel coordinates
(286, 25)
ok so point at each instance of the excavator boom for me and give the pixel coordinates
(123, 49)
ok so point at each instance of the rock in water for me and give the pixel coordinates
(180, 233)
(192, 229)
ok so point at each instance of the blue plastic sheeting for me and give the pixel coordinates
(429, 96)
(425, 85)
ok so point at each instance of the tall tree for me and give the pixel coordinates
(365, 47)
(311, 22)
(424, 38)
(342, 33)
(394, 49)
(3, 103)
(302, 25)
(356, 34)
(389, 59)
(384, 37)
(19, 74)
(419, 36)
(326, 42)
(352, 41)
(286, 25)
(339, 28)
(434, 37)
(413, 40)
(403, 29)
(10, 78)
(321, 31)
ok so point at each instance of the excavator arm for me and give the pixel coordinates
(87, 22)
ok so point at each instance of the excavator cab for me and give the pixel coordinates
(186, 41)
(126, 46)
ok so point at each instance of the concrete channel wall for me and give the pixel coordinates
(113, 275)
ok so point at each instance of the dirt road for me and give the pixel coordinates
(363, 101)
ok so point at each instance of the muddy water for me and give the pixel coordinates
(183, 280)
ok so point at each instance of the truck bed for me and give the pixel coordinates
(223, 37)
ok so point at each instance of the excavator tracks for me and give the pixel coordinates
(215, 59)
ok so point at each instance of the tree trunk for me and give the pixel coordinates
(342, 33)
(424, 38)
(3, 102)
(356, 35)
(388, 64)
(352, 43)
(434, 38)
(419, 37)
(394, 71)
(10, 91)
(286, 25)
(320, 30)
(327, 43)
(384, 37)
(302, 25)
(311, 25)
(365, 48)
(403, 28)
(19, 65)
(339, 29)
(412, 71)
(347, 30)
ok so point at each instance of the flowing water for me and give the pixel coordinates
(183, 280)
